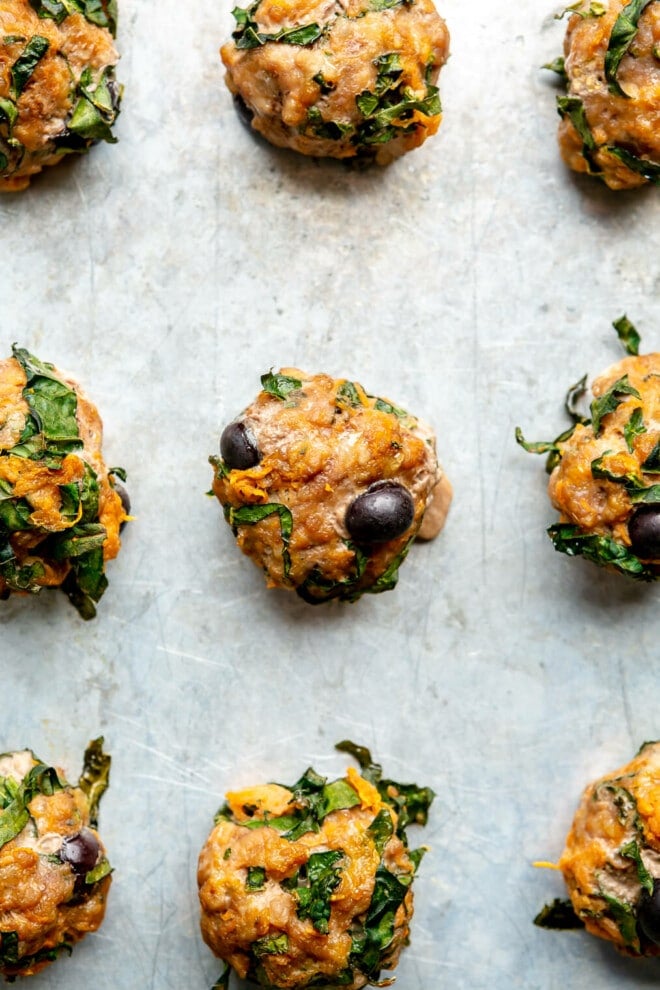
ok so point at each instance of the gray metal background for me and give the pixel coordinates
(471, 281)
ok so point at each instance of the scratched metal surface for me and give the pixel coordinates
(471, 281)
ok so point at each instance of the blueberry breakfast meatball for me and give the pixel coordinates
(339, 79)
(311, 885)
(60, 507)
(54, 874)
(611, 112)
(58, 93)
(326, 486)
(611, 863)
(604, 470)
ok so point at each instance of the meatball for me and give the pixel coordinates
(58, 93)
(310, 885)
(60, 512)
(54, 874)
(604, 470)
(611, 114)
(611, 863)
(340, 79)
(326, 486)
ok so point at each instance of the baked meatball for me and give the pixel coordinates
(61, 509)
(58, 93)
(339, 79)
(310, 885)
(54, 874)
(325, 486)
(611, 863)
(604, 469)
(611, 114)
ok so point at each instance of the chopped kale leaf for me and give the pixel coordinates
(319, 878)
(316, 588)
(634, 428)
(642, 166)
(95, 777)
(609, 401)
(256, 878)
(26, 63)
(652, 463)
(331, 130)
(627, 334)
(247, 34)
(280, 386)
(371, 943)
(624, 915)
(100, 871)
(103, 14)
(632, 851)
(270, 945)
(40, 779)
(602, 550)
(250, 515)
(558, 916)
(621, 38)
(222, 983)
(573, 399)
(52, 429)
(390, 108)
(558, 66)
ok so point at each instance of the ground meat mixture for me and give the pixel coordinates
(54, 874)
(339, 79)
(58, 93)
(310, 885)
(604, 471)
(611, 863)
(61, 510)
(611, 115)
(326, 486)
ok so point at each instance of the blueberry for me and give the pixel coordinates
(243, 110)
(80, 851)
(238, 447)
(644, 531)
(648, 913)
(383, 512)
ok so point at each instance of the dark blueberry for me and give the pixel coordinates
(382, 513)
(648, 913)
(125, 501)
(243, 110)
(238, 447)
(80, 851)
(644, 531)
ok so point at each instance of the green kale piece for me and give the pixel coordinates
(270, 945)
(330, 130)
(625, 917)
(374, 937)
(633, 428)
(281, 386)
(627, 334)
(602, 550)
(316, 588)
(621, 38)
(383, 406)
(573, 108)
(26, 63)
(642, 166)
(52, 430)
(389, 109)
(256, 878)
(40, 779)
(609, 401)
(316, 881)
(249, 515)
(558, 66)
(222, 983)
(632, 851)
(595, 9)
(247, 34)
(558, 916)
(16, 964)
(100, 871)
(95, 777)
(94, 112)
(652, 463)
(103, 14)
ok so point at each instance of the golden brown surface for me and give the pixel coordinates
(37, 898)
(620, 808)
(233, 918)
(598, 505)
(46, 103)
(632, 123)
(39, 484)
(276, 80)
(318, 453)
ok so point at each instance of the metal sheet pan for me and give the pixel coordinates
(471, 281)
